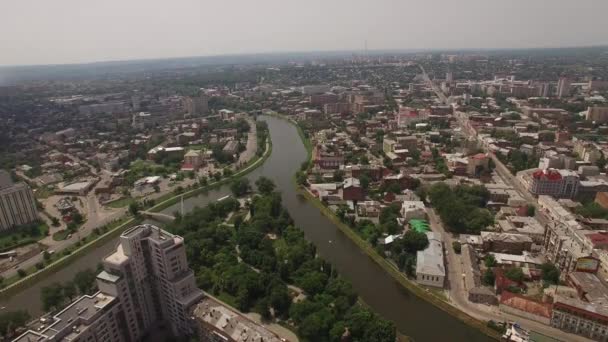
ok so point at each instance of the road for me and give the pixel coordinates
(457, 292)
(458, 297)
(444, 99)
(501, 169)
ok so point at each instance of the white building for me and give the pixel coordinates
(145, 281)
(411, 210)
(149, 274)
(430, 268)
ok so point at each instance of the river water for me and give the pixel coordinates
(412, 316)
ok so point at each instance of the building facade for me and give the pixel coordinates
(556, 183)
(145, 281)
(149, 274)
(17, 203)
(581, 318)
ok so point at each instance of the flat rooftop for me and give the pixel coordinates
(232, 324)
(79, 314)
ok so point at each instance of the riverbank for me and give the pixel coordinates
(412, 287)
(252, 165)
(389, 268)
(66, 260)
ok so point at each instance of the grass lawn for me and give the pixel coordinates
(43, 192)
(121, 202)
(23, 235)
(61, 235)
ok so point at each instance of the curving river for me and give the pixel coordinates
(412, 316)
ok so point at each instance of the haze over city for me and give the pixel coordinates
(74, 31)
(320, 171)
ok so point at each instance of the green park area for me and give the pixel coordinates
(23, 235)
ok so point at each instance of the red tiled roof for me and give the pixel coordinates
(552, 175)
(479, 156)
(526, 304)
(598, 238)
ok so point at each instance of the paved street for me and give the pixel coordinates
(458, 296)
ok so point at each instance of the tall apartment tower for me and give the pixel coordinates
(563, 87)
(17, 203)
(196, 106)
(148, 273)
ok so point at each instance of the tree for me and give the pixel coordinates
(456, 246)
(488, 277)
(52, 296)
(85, 281)
(365, 180)
(156, 188)
(515, 274)
(414, 241)
(240, 187)
(46, 256)
(550, 273)
(338, 176)
(301, 178)
(279, 299)
(11, 320)
(69, 290)
(265, 185)
(134, 208)
(21, 272)
(490, 261)
(54, 221)
(77, 218)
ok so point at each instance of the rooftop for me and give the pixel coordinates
(525, 304)
(430, 260)
(236, 326)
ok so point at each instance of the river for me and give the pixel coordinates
(412, 316)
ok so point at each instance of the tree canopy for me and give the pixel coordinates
(462, 209)
(251, 266)
(240, 187)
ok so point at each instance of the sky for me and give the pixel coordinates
(78, 31)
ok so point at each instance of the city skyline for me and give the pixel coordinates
(66, 31)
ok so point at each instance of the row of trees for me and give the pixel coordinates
(462, 209)
(251, 264)
(56, 295)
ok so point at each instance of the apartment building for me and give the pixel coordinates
(556, 183)
(17, 203)
(149, 274)
(90, 318)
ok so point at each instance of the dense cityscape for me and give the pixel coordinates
(474, 182)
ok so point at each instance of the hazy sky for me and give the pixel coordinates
(67, 31)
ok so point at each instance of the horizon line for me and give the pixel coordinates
(269, 53)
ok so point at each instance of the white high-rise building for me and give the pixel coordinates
(563, 87)
(149, 274)
(145, 281)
